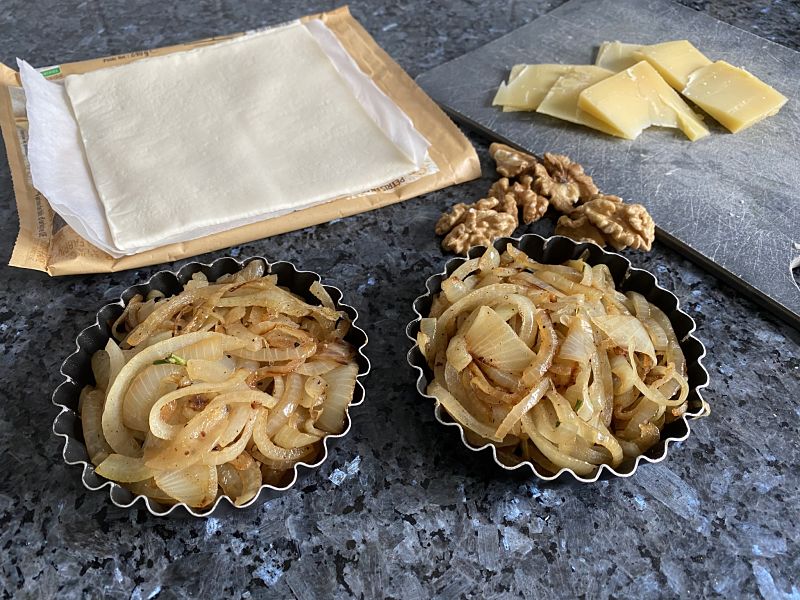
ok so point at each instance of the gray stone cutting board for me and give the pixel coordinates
(730, 202)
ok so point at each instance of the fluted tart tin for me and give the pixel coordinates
(556, 250)
(77, 373)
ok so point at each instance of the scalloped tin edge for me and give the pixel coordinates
(71, 444)
(432, 286)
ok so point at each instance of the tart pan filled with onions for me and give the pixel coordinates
(557, 356)
(211, 386)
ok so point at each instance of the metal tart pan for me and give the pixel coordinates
(556, 250)
(77, 373)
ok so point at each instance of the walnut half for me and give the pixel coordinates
(521, 192)
(624, 225)
(576, 226)
(608, 220)
(511, 162)
(477, 224)
(563, 182)
(479, 228)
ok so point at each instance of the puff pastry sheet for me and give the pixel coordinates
(190, 143)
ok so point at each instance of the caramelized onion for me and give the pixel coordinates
(214, 387)
(91, 402)
(576, 373)
(196, 485)
(124, 469)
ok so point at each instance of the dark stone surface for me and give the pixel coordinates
(400, 510)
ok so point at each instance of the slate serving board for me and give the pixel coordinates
(730, 202)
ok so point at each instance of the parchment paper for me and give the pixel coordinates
(60, 251)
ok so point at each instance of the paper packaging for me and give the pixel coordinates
(43, 246)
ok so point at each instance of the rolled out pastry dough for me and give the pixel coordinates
(193, 142)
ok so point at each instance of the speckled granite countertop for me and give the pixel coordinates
(400, 510)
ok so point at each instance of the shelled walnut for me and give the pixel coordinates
(563, 182)
(456, 214)
(511, 162)
(533, 185)
(624, 225)
(532, 204)
(564, 171)
(576, 226)
(479, 228)
(477, 224)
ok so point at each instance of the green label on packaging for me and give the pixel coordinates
(52, 71)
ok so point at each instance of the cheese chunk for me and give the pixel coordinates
(528, 84)
(638, 98)
(733, 96)
(674, 61)
(562, 99)
(617, 56)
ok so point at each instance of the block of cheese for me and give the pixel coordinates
(530, 85)
(674, 61)
(734, 97)
(617, 56)
(638, 98)
(562, 99)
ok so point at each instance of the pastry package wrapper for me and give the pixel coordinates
(432, 154)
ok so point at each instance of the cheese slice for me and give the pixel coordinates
(562, 99)
(515, 70)
(675, 61)
(734, 97)
(529, 85)
(638, 98)
(617, 56)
